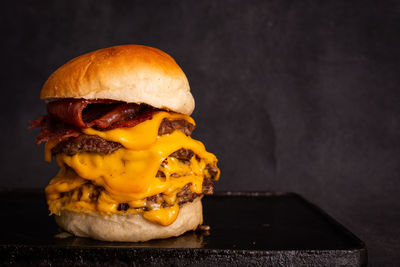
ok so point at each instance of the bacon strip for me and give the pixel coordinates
(141, 117)
(67, 117)
(88, 113)
(53, 130)
(123, 112)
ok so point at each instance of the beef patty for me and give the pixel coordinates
(85, 143)
(96, 144)
(167, 127)
(182, 197)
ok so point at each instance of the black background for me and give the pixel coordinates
(296, 96)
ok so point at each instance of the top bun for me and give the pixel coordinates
(129, 73)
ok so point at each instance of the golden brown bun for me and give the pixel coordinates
(130, 228)
(130, 73)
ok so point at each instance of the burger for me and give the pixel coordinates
(118, 125)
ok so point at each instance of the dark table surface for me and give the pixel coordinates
(246, 228)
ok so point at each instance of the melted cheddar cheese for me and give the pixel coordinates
(143, 135)
(128, 175)
(71, 192)
(164, 216)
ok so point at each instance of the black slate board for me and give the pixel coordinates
(252, 229)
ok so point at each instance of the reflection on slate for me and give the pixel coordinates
(246, 229)
(193, 239)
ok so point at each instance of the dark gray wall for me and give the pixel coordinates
(290, 95)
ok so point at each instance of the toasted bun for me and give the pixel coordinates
(130, 228)
(129, 73)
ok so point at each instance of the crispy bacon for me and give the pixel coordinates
(67, 117)
(99, 113)
(53, 130)
(141, 117)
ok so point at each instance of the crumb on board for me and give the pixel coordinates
(203, 228)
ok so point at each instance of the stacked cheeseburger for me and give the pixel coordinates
(118, 126)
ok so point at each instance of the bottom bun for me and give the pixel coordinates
(130, 228)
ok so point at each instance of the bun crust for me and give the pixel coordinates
(130, 228)
(129, 73)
